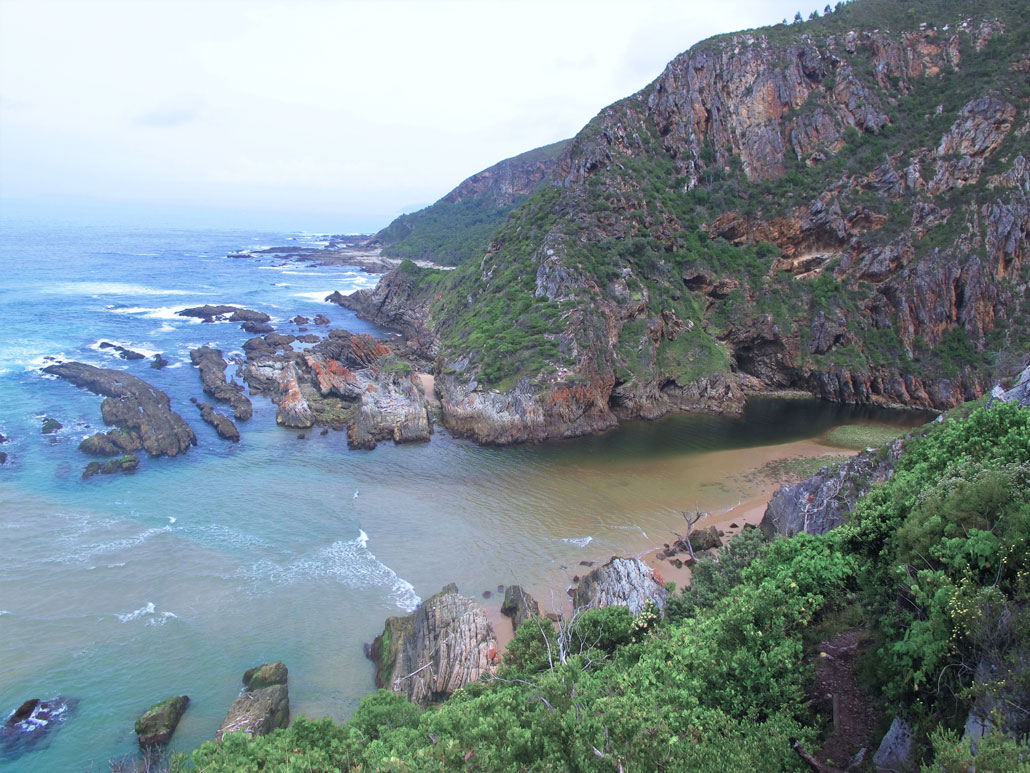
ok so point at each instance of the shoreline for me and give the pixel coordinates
(758, 481)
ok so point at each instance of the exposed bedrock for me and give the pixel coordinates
(346, 381)
(264, 704)
(445, 644)
(223, 424)
(625, 582)
(519, 606)
(133, 405)
(212, 367)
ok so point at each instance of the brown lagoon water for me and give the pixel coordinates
(122, 591)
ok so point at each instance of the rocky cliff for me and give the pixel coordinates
(840, 206)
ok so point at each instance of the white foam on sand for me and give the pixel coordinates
(349, 563)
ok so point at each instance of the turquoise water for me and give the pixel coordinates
(123, 590)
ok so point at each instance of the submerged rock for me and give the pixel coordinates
(446, 643)
(125, 354)
(127, 463)
(158, 361)
(156, 725)
(50, 426)
(31, 724)
(625, 582)
(264, 704)
(134, 405)
(519, 606)
(256, 328)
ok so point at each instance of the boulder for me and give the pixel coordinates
(519, 606)
(50, 425)
(705, 539)
(212, 374)
(134, 405)
(626, 582)
(445, 644)
(110, 443)
(29, 726)
(126, 463)
(321, 319)
(264, 704)
(895, 750)
(158, 361)
(300, 319)
(156, 725)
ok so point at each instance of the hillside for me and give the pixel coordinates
(839, 206)
(461, 224)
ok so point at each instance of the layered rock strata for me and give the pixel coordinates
(622, 582)
(446, 643)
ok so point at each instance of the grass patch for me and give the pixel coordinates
(861, 436)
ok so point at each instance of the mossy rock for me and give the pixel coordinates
(265, 675)
(127, 463)
(50, 426)
(156, 725)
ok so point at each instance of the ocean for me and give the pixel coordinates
(120, 591)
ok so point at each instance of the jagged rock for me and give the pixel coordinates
(50, 425)
(293, 410)
(156, 725)
(256, 328)
(446, 643)
(223, 424)
(895, 750)
(1020, 392)
(211, 313)
(212, 373)
(134, 405)
(158, 361)
(264, 704)
(519, 606)
(626, 582)
(300, 320)
(29, 726)
(824, 501)
(310, 338)
(321, 319)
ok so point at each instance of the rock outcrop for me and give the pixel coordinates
(895, 750)
(156, 725)
(111, 443)
(220, 313)
(31, 724)
(212, 374)
(223, 424)
(343, 381)
(519, 606)
(126, 463)
(125, 354)
(823, 502)
(133, 405)
(264, 704)
(50, 425)
(446, 643)
(622, 582)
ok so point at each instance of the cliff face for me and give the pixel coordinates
(833, 206)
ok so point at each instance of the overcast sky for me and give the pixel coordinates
(328, 115)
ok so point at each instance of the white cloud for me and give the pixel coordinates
(313, 104)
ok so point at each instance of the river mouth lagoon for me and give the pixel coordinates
(121, 590)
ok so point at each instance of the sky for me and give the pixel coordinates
(322, 115)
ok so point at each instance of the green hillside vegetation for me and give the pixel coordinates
(637, 214)
(452, 231)
(936, 562)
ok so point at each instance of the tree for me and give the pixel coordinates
(797, 17)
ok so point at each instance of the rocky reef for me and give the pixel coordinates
(32, 724)
(446, 643)
(264, 704)
(140, 410)
(221, 313)
(345, 381)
